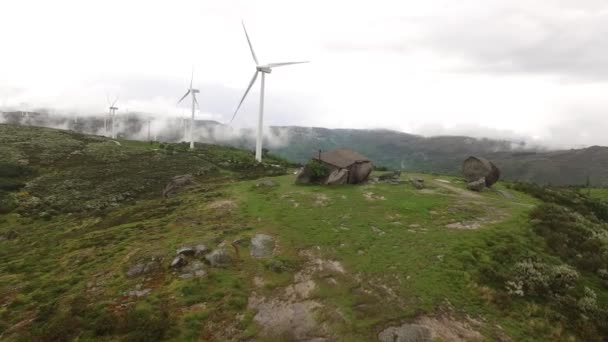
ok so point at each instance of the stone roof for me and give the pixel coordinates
(341, 157)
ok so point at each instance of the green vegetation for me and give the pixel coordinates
(318, 170)
(532, 267)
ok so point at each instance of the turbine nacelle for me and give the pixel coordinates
(195, 91)
(264, 68)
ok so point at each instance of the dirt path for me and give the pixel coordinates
(461, 192)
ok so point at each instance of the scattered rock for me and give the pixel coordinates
(418, 183)
(378, 231)
(262, 245)
(321, 200)
(138, 292)
(291, 313)
(267, 183)
(188, 251)
(442, 328)
(219, 258)
(464, 225)
(477, 185)
(195, 269)
(200, 249)
(286, 318)
(178, 262)
(176, 184)
(446, 328)
(143, 268)
(390, 176)
(405, 333)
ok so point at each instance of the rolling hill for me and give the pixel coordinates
(91, 250)
(392, 149)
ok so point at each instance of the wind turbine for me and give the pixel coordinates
(112, 115)
(259, 69)
(193, 92)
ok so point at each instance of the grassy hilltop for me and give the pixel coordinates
(86, 244)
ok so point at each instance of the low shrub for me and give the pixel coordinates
(541, 280)
(318, 170)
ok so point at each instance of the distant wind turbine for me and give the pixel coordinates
(193, 92)
(259, 69)
(112, 115)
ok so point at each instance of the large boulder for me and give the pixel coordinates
(262, 245)
(359, 172)
(337, 177)
(473, 168)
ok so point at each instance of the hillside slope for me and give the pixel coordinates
(271, 260)
(396, 150)
(275, 261)
(444, 154)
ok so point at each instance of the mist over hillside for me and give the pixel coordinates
(392, 149)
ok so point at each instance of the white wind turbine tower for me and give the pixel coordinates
(193, 92)
(112, 115)
(259, 69)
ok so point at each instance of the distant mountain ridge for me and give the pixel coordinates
(392, 149)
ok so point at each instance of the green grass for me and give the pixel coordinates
(428, 263)
(401, 259)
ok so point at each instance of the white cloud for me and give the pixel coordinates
(516, 66)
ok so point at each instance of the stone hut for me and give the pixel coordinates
(344, 166)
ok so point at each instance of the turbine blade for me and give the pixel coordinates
(183, 97)
(192, 78)
(108, 99)
(255, 59)
(114, 103)
(274, 65)
(255, 76)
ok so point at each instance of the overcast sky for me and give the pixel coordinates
(499, 68)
